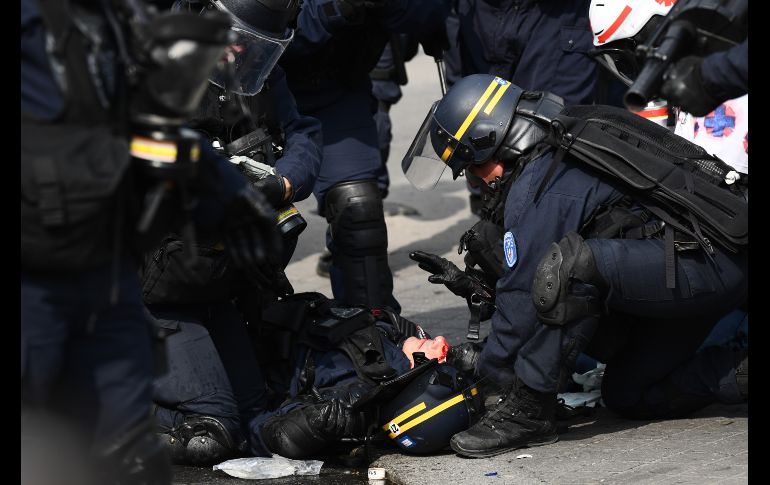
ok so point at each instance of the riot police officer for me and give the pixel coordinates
(89, 86)
(327, 65)
(591, 264)
(215, 385)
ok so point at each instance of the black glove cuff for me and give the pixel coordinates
(273, 188)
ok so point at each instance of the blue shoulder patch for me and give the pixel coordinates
(509, 248)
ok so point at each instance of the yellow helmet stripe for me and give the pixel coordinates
(409, 412)
(427, 415)
(447, 153)
(496, 98)
(476, 108)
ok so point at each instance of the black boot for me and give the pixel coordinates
(201, 441)
(523, 417)
(324, 264)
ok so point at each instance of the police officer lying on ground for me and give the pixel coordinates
(346, 365)
(610, 248)
(215, 386)
(319, 359)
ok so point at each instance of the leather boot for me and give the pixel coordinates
(523, 417)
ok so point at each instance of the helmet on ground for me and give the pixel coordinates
(261, 30)
(430, 410)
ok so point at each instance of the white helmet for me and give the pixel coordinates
(623, 19)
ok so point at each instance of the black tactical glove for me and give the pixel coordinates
(251, 237)
(308, 430)
(273, 188)
(447, 273)
(683, 86)
(464, 357)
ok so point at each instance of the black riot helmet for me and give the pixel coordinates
(480, 118)
(436, 405)
(261, 30)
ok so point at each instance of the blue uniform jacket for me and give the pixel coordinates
(320, 20)
(536, 44)
(567, 201)
(727, 72)
(302, 154)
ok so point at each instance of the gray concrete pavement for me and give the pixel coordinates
(710, 447)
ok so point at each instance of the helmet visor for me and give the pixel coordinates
(422, 166)
(619, 61)
(250, 59)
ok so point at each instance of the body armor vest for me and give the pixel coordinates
(75, 203)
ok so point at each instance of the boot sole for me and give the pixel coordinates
(500, 451)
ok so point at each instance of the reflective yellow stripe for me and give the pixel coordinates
(474, 391)
(419, 419)
(153, 149)
(447, 153)
(495, 99)
(405, 414)
(475, 111)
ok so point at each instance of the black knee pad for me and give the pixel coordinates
(354, 210)
(567, 284)
(355, 213)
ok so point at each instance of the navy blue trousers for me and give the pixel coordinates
(212, 369)
(83, 357)
(651, 336)
(351, 152)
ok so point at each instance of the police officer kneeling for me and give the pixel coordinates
(620, 238)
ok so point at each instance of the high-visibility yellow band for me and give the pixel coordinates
(447, 153)
(195, 153)
(476, 108)
(153, 150)
(429, 414)
(496, 98)
(409, 412)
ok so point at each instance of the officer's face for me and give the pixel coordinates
(487, 171)
(434, 348)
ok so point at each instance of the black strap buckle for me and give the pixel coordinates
(474, 322)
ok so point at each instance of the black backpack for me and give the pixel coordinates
(691, 191)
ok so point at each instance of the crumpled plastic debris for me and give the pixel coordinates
(592, 379)
(578, 399)
(490, 474)
(519, 457)
(260, 467)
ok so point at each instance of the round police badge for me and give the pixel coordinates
(509, 248)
